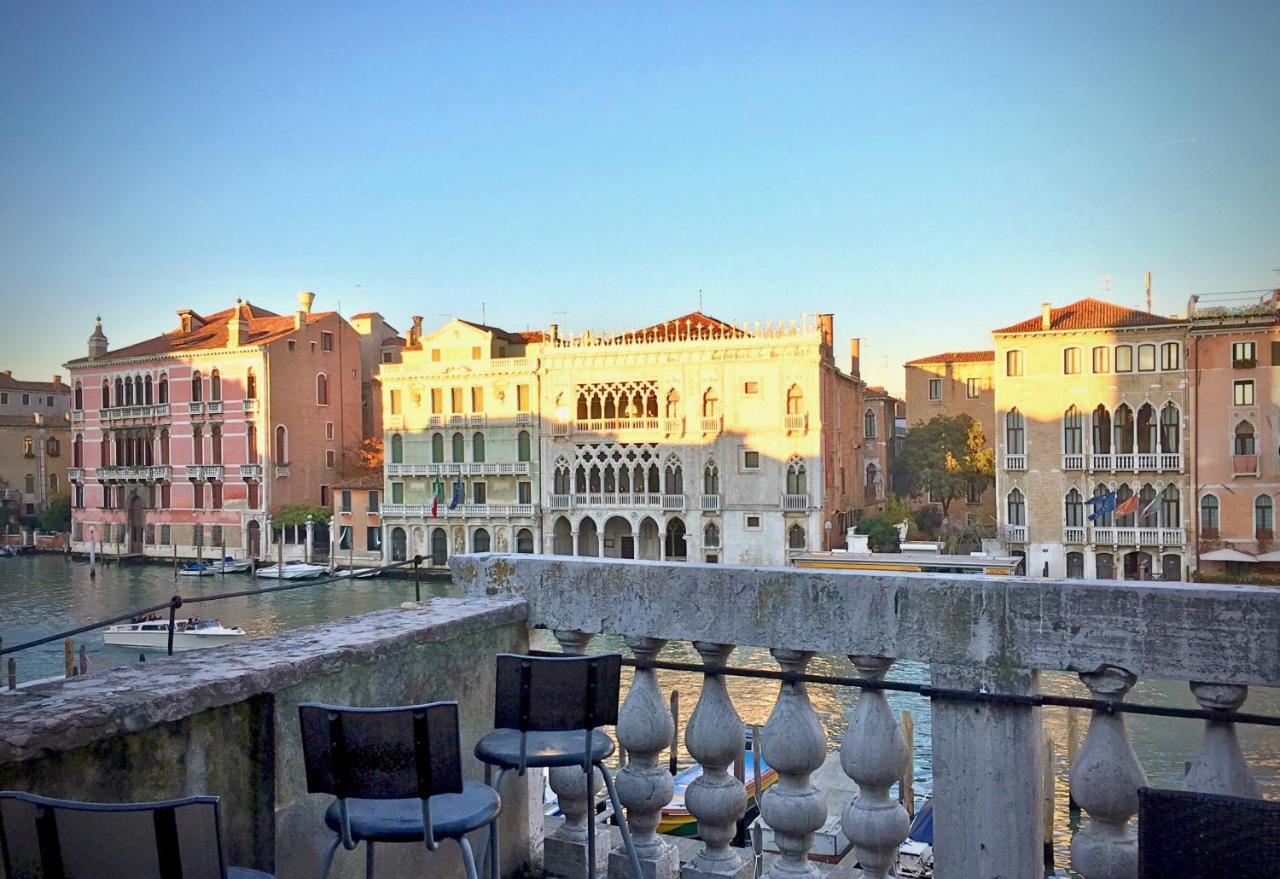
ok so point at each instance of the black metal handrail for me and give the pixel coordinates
(178, 601)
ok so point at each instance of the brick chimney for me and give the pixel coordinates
(305, 299)
(555, 332)
(1046, 315)
(238, 326)
(57, 380)
(827, 323)
(855, 357)
(97, 341)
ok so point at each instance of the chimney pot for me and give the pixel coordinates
(1046, 315)
(305, 299)
(57, 379)
(827, 323)
(555, 332)
(855, 357)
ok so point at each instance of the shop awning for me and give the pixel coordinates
(1235, 555)
(1273, 556)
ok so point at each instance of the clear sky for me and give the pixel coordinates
(925, 171)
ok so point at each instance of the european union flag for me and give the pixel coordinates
(457, 495)
(1102, 505)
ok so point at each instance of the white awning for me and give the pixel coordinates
(1235, 555)
(1273, 556)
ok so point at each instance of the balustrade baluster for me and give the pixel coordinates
(795, 745)
(565, 851)
(1105, 779)
(645, 727)
(1219, 767)
(714, 737)
(874, 754)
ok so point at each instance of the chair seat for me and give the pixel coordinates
(452, 815)
(246, 873)
(542, 749)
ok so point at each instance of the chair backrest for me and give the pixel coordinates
(548, 693)
(42, 838)
(382, 753)
(1192, 835)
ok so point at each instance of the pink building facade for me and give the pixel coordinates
(186, 443)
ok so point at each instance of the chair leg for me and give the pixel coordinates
(627, 844)
(468, 859)
(591, 823)
(328, 858)
(368, 859)
(492, 856)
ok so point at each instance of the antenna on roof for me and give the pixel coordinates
(482, 318)
(1106, 284)
(699, 299)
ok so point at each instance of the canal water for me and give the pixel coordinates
(44, 594)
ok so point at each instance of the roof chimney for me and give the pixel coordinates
(855, 357)
(57, 380)
(1046, 315)
(238, 326)
(555, 332)
(97, 341)
(827, 323)
(415, 331)
(305, 298)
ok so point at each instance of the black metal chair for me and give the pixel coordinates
(173, 839)
(1205, 836)
(396, 774)
(547, 714)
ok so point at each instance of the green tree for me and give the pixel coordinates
(56, 515)
(941, 456)
(882, 536)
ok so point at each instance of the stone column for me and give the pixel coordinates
(565, 851)
(874, 754)
(795, 745)
(644, 786)
(662, 546)
(1105, 779)
(1219, 767)
(988, 787)
(715, 737)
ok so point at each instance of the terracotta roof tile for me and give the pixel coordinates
(504, 335)
(9, 383)
(695, 320)
(362, 480)
(957, 357)
(28, 422)
(1092, 314)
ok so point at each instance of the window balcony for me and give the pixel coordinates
(712, 424)
(560, 502)
(613, 499)
(524, 419)
(159, 473)
(133, 414)
(673, 502)
(436, 421)
(1244, 465)
(1015, 462)
(195, 407)
(122, 473)
(795, 503)
(77, 416)
(250, 471)
(250, 405)
(1144, 536)
(710, 503)
(478, 420)
(1101, 462)
(673, 426)
(616, 425)
(75, 474)
(1073, 534)
(204, 472)
(1073, 461)
(393, 422)
(213, 407)
(1125, 461)
(457, 421)
(796, 423)
(282, 471)
(560, 428)
(1015, 533)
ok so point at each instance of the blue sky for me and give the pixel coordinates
(926, 171)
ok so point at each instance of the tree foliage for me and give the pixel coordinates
(296, 514)
(882, 535)
(56, 516)
(941, 456)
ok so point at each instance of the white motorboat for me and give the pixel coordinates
(153, 634)
(358, 573)
(208, 569)
(292, 571)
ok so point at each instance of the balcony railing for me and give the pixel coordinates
(1015, 462)
(457, 421)
(195, 407)
(464, 468)
(1154, 462)
(477, 420)
(798, 423)
(524, 419)
(1073, 461)
(673, 502)
(1130, 536)
(711, 424)
(673, 426)
(1073, 534)
(947, 624)
(1125, 461)
(123, 473)
(559, 428)
(282, 470)
(1244, 465)
(461, 511)
(393, 422)
(75, 474)
(617, 499)
(1015, 533)
(560, 502)
(159, 472)
(213, 407)
(77, 416)
(1101, 462)
(250, 405)
(250, 471)
(613, 425)
(204, 471)
(133, 413)
(795, 503)
(709, 503)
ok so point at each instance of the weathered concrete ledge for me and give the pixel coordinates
(61, 716)
(1182, 631)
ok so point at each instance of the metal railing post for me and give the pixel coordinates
(417, 578)
(174, 604)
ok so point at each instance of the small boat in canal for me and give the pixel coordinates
(357, 573)
(676, 819)
(153, 634)
(915, 855)
(208, 569)
(292, 571)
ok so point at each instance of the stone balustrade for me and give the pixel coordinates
(979, 634)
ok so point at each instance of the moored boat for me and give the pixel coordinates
(676, 818)
(208, 569)
(153, 634)
(292, 571)
(358, 573)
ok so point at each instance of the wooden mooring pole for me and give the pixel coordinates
(68, 657)
(907, 784)
(675, 731)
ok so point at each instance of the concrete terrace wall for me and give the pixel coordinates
(225, 722)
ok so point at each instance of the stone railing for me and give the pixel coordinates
(795, 503)
(985, 640)
(462, 468)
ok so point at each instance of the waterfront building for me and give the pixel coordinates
(882, 435)
(950, 384)
(35, 443)
(460, 440)
(379, 343)
(1092, 398)
(1234, 349)
(357, 520)
(187, 442)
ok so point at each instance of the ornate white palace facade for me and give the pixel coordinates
(690, 439)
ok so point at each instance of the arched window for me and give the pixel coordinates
(1015, 433)
(1123, 430)
(1101, 431)
(1245, 442)
(215, 385)
(53, 483)
(1072, 432)
(1017, 508)
(197, 444)
(711, 536)
(459, 448)
(164, 445)
(128, 392)
(797, 478)
(1071, 361)
(1171, 507)
(1123, 493)
(480, 541)
(322, 389)
(29, 484)
(251, 385)
(1074, 509)
(524, 541)
(795, 537)
(711, 478)
(215, 438)
(477, 447)
(251, 440)
(1148, 514)
(1146, 429)
(795, 400)
(397, 449)
(79, 396)
(1171, 356)
(1209, 515)
(28, 447)
(146, 390)
(437, 448)
(710, 404)
(1104, 520)
(871, 484)
(1075, 565)
(1170, 428)
(673, 404)
(282, 445)
(1124, 358)
(197, 387)
(77, 451)
(1101, 359)
(162, 392)
(106, 394)
(869, 424)
(674, 477)
(1264, 521)
(1146, 358)
(524, 450)
(399, 546)
(119, 395)
(53, 447)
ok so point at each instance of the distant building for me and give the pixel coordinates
(35, 443)
(188, 441)
(881, 444)
(1093, 398)
(379, 344)
(1234, 349)
(357, 521)
(950, 384)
